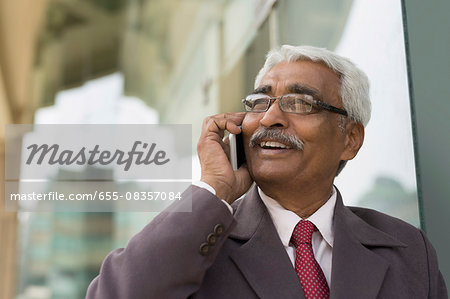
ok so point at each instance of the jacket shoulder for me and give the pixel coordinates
(418, 256)
(390, 225)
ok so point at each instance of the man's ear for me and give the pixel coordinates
(354, 138)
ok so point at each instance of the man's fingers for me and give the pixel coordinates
(220, 122)
(214, 151)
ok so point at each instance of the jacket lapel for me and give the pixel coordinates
(262, 258)
(357, 271)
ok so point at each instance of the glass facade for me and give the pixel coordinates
(178, 61)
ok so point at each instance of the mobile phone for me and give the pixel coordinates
(237, 154)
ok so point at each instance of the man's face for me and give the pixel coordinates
(323, 140)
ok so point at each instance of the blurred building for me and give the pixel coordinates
(387, 195)
(60, 253)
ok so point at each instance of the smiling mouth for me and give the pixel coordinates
(273, 145)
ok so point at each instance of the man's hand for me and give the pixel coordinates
(213, 153)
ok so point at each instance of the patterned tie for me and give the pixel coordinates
(308, 270)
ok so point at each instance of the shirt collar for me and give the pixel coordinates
(285, 220)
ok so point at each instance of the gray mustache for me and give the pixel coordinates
(278, 135)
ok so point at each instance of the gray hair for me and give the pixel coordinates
(354, 82)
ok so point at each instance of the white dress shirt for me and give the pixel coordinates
(322, 240)
(285, 222)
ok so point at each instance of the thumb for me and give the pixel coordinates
(243, 181)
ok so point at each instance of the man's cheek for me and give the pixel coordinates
(246, 131)
(250, 123)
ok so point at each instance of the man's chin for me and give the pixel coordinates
(272, 177)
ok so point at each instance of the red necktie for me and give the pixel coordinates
(308, 270)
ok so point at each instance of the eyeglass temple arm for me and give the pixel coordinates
(331, 108)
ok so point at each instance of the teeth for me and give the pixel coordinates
(273, 144)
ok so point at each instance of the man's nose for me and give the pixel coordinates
(274, 117)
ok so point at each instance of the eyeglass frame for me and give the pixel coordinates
(319, 103)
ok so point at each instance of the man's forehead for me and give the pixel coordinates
(301, 76)
(306, 66)
(291, 88)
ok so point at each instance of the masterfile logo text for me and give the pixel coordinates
(97, 167)
(53, 155)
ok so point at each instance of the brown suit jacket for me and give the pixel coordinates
(210, 253)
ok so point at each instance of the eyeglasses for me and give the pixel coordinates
(293, 103)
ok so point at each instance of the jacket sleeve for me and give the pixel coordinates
(169, 257)
(437, 288)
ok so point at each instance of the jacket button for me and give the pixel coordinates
(204, 249)
(212, 239)
(218, 229)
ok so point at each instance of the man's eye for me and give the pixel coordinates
(260, 103)
(297, 104)
(301, 106)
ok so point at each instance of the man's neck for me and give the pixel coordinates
(303, 202)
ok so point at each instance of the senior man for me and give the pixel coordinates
(290, 236)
